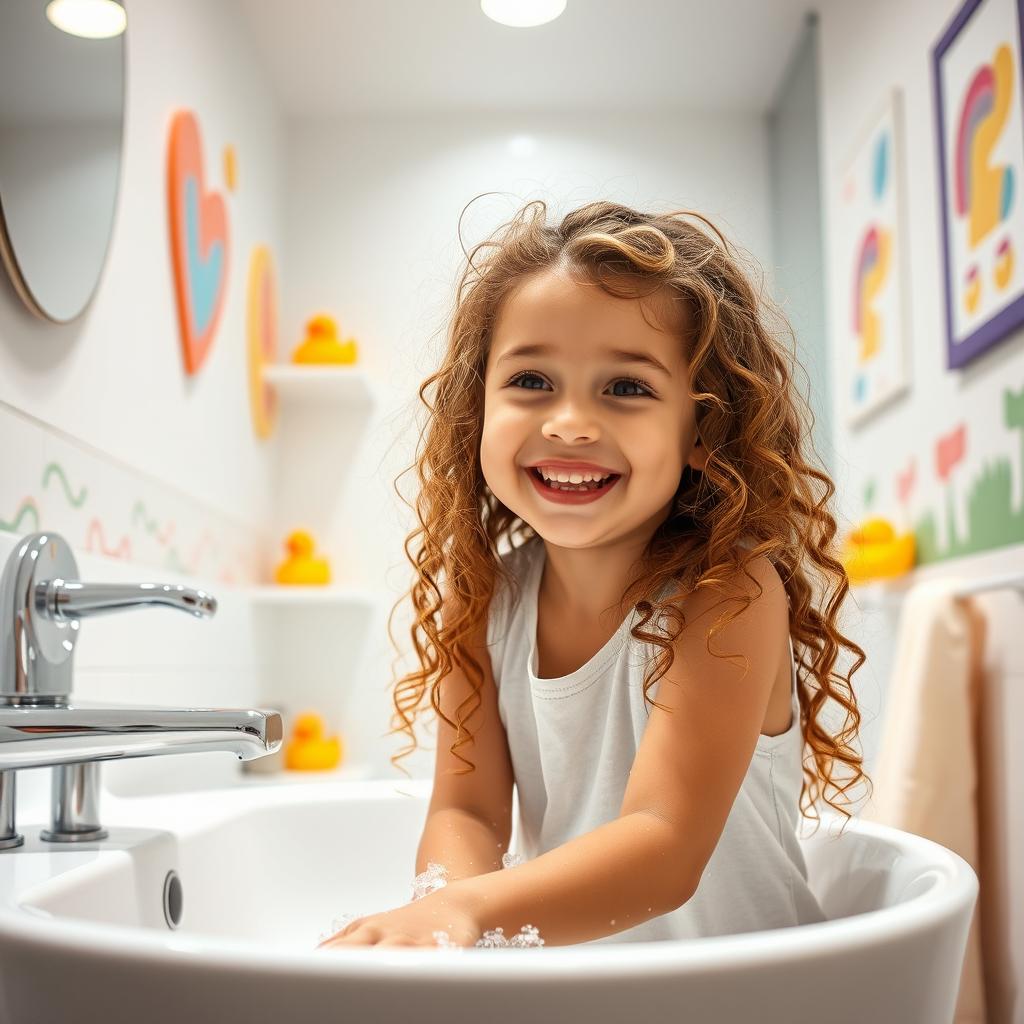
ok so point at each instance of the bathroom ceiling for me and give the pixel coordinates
(434, 56)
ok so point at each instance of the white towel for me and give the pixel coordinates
(926, 774)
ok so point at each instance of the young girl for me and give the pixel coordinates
(614, 410)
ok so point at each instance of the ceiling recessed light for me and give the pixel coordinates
(522, 13)
(90, 19)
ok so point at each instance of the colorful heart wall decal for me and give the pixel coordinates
(199, 241)
(261, 329)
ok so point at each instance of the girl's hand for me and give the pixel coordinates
(413, 924)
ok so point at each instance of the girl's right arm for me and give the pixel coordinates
(469, 820)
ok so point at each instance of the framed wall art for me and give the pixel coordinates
(977, 82)
(871, 238)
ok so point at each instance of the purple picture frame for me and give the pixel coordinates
(999, 326)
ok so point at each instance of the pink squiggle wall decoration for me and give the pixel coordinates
(206, 540)
(94, 540)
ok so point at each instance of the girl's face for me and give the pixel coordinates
(573, 398)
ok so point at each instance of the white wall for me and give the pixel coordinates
(797, 230)
(371, 213)
(158, 475)
(865, 49)
(105, 440)
(112, 382)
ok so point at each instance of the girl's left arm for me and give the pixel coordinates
(683, 783)
(611, 878)
(684, 780)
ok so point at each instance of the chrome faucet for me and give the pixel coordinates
(41, 603)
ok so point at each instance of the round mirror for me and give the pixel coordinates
(61, 126)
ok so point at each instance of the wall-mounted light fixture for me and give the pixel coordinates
(90, 19)
(522, 13)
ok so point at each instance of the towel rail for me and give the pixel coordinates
(876, 590)
(1011, 581)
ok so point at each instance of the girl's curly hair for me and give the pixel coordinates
(757, 485)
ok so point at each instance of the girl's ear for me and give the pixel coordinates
(698, 456)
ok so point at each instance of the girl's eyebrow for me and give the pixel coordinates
(618, 355)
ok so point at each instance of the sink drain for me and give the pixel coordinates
(172, 899)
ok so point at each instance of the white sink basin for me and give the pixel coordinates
(264, 871)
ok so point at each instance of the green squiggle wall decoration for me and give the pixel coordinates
(151, 525)
(204, 552)
(26, 508)
(53, 468)
(172, 561)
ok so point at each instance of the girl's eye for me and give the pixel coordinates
(624, 380)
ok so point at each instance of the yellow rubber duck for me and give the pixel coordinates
(321, 344)
(875, 551)
(300, 567)
(308, 750)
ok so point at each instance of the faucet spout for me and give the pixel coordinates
(34, 736)
(73, 599)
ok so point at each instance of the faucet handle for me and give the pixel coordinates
(41, 602)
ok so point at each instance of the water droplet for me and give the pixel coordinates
(442, 939)
(337, 925)
(435, 877)
(528, 937)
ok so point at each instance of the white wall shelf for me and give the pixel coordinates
(285, 595)
(341, 385)
(310, 639)
(323, 414)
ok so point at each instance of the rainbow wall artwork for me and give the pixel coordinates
(869, 226)
(977, 82)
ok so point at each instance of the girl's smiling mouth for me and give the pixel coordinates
(571, 495)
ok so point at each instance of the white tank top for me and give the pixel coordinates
(573, 740)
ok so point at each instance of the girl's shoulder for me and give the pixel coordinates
(508, 590)
(517, 560)
(515, 564)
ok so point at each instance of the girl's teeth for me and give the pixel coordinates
(561, 485)
(574, 478)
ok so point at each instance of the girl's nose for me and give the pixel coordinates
(570, 428)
